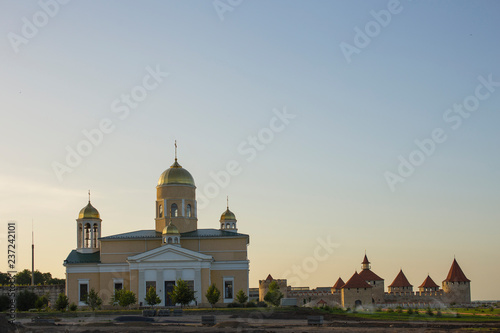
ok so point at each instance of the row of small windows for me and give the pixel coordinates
(228, 225)
(174, 210)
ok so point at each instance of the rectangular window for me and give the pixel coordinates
(150, 284)
(228, 289)
(84, 290)
(118, 286)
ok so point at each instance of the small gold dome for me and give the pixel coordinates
(227, 216)
(176, 174)
(170, 229)
(89, 212)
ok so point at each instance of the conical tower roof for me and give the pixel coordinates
(400, 280)
(456, 274)
(428, 283)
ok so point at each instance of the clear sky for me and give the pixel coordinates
(369, 125)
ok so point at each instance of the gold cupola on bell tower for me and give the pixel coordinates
(176, 199)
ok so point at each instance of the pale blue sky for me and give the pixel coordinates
(323, 175)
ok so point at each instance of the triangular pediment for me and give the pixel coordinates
(169, 253)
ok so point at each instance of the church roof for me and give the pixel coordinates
(368, 275)
(428, 283)
(75, 257)
(211, 233)
(456, 274)
(200, 233)
(339, 284)
(400, 280)
(356, 282)
(135, 234)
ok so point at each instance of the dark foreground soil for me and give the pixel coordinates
(244, 321)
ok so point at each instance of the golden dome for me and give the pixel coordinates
(170, 229)
(227, 216)
(89, 212)
(176, 174)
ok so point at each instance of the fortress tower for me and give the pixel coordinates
(457, 285)
(373, 280)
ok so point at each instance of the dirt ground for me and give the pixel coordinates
(256, 321)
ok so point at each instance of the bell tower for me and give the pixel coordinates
(176, 199)
(88, 229)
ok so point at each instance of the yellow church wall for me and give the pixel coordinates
(134, 282)
(107, 284)
(175, 192)
(220, 244)
(118, 251)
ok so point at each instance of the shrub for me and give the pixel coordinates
(429, 312)
(182, 294)
(151, 297)
(261, 304)
(390, 310)
(410, 311)
(399, 309)
(250, 305)
(41, 302)
(439, 314)
(234, 305)
(25, 300)
(241, 297)
(93, 300)
(62, 302)
(212, 295)
(73, 307)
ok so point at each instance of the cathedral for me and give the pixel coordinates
(174, 249)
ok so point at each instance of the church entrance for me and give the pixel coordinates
(357, 303)
(169, 287)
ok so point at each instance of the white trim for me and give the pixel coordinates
(230, 265)
(222, 251)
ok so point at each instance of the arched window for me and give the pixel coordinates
(188, 210)
(222, 226)
(169, 240)
(80, 233)
(160, 211)
(176, 240)
(87, 235)
(174, 210)
(95, 235)
(227, 225)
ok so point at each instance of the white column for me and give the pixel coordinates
(78, 237)
(183, 211)
(197, 285)
(142, 288)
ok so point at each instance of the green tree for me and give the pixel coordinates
(126, 298)
(62, 302)
(182, 294)
(212, 295)
(241, 297)
(93, 300)
(25, 300)
(151, 297)
(274, 295)
(23, 277)
(4, 278)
